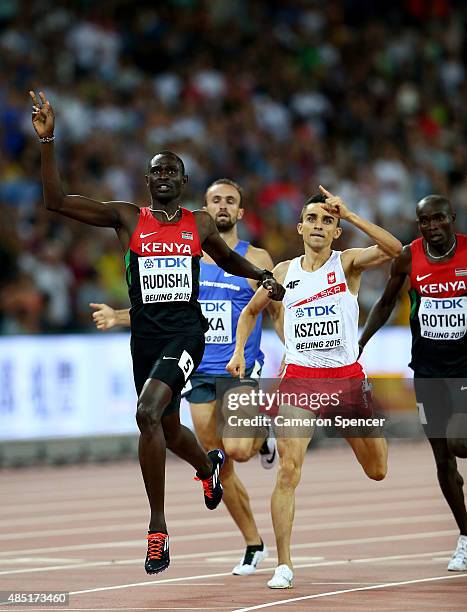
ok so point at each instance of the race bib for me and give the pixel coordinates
(443, 318)
(219, 316)
(165, 279)
(317, 327)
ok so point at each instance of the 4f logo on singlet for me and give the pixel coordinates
(292, 284)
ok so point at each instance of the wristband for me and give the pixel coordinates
(265, 275)
(47, 139)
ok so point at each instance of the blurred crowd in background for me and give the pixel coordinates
(367, 98)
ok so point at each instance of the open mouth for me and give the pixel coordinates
(163, 187)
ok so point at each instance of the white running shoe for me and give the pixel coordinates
(250, 562)
(268, 453)
(282, 579)
(458, 562)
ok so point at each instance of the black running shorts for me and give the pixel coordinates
(171, 359)
(438, 399)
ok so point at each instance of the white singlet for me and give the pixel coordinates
(321, 316)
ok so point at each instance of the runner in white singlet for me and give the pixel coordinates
(320, 329)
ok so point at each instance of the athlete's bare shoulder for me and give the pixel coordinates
(255, 251)
(259, 257)
(403, 262)
(201, 213)
(205, 224)
(281, 269)
(128, 210)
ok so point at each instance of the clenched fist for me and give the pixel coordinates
(104, 316)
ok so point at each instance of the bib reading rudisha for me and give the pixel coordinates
(162, 271)
(438, 316)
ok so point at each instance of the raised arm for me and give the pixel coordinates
(276, 312)
(275, 309)
(229, 260)
(380, 312)
(387, 246)
(247, 321)
(103, 214)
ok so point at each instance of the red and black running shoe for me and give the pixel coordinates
(157, 558)
(212, 486)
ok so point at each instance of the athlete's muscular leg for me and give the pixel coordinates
(457, 434)
(291, 456)
(152, 401)
(450, 481)
(235, 495)
(243, 449)
(241, 443)
(372, 454)
(181, 441)
(154, 398)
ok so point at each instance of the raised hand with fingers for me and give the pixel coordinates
(334, 204)
(43, 118)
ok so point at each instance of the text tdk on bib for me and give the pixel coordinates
(219, 316)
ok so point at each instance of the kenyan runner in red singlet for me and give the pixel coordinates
(438, 314)
(436, 265)
(162, 245)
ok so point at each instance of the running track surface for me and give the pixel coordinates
(357, 544)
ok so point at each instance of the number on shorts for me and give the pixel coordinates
(186, 364)
(421, 413)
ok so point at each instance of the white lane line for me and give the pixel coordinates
(315, 527)
(260, 570)
(389, 538)
(384, 507)
(138, 543)
(53, 480)
(55, 509)
(24, 560)
(141, 513)
(342, 592)
(201, 523)
(271, 558)
(206, 558)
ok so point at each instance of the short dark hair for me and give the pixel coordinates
(169, 154)
(436, 200)
(227, 181)
(317, 198)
